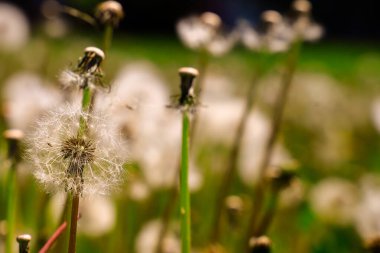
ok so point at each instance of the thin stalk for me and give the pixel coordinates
(87, 97)
(11, 207)
(184, 187)
(268, 216)
(107, 38)
(73, 224)
(230, 172)
(278, 111)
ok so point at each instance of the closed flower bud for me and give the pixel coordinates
(260, 244)
(109, 13)
(187, 75)
(23, 241)
(13, 136)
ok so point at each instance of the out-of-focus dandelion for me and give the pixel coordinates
(301, 22)
(205, 33)
(98, 216)
(109, 14)
(334, 201)
(79, 163)
(14, 32)
(147, 239)
(27, 97)
(366, 215)
(271, 36)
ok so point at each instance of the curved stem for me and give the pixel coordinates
(184, 188)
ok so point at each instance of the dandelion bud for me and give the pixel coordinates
(23, 241)
(13, 136)
(234, 206)
(91, 60)
(187, 75)
(260, 244)
(373, 245)
(109, 13)
(211, 19)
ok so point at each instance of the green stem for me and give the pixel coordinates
(11, 207)
(73, 223)
(184, 188)
(107, 39)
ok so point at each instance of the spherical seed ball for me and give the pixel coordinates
(65, 160)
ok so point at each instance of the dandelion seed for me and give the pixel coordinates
(66, 160)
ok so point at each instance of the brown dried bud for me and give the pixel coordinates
(91, 60)
(234, 205)
(14, 136)
(109, 13)
(23, 241)
(260, 244)
(187, 75)
(373, 245)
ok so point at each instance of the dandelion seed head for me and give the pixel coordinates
(65, 160)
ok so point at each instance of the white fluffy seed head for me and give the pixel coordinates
(100, 158)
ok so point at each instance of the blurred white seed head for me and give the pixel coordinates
(334, 201)
(204, 32)
(367, 214)
(253, 149)
(301, 22)
(147, 239)
(98, 216)
(26, 97)
(272, 35)
(14, 28)
(63, 160)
